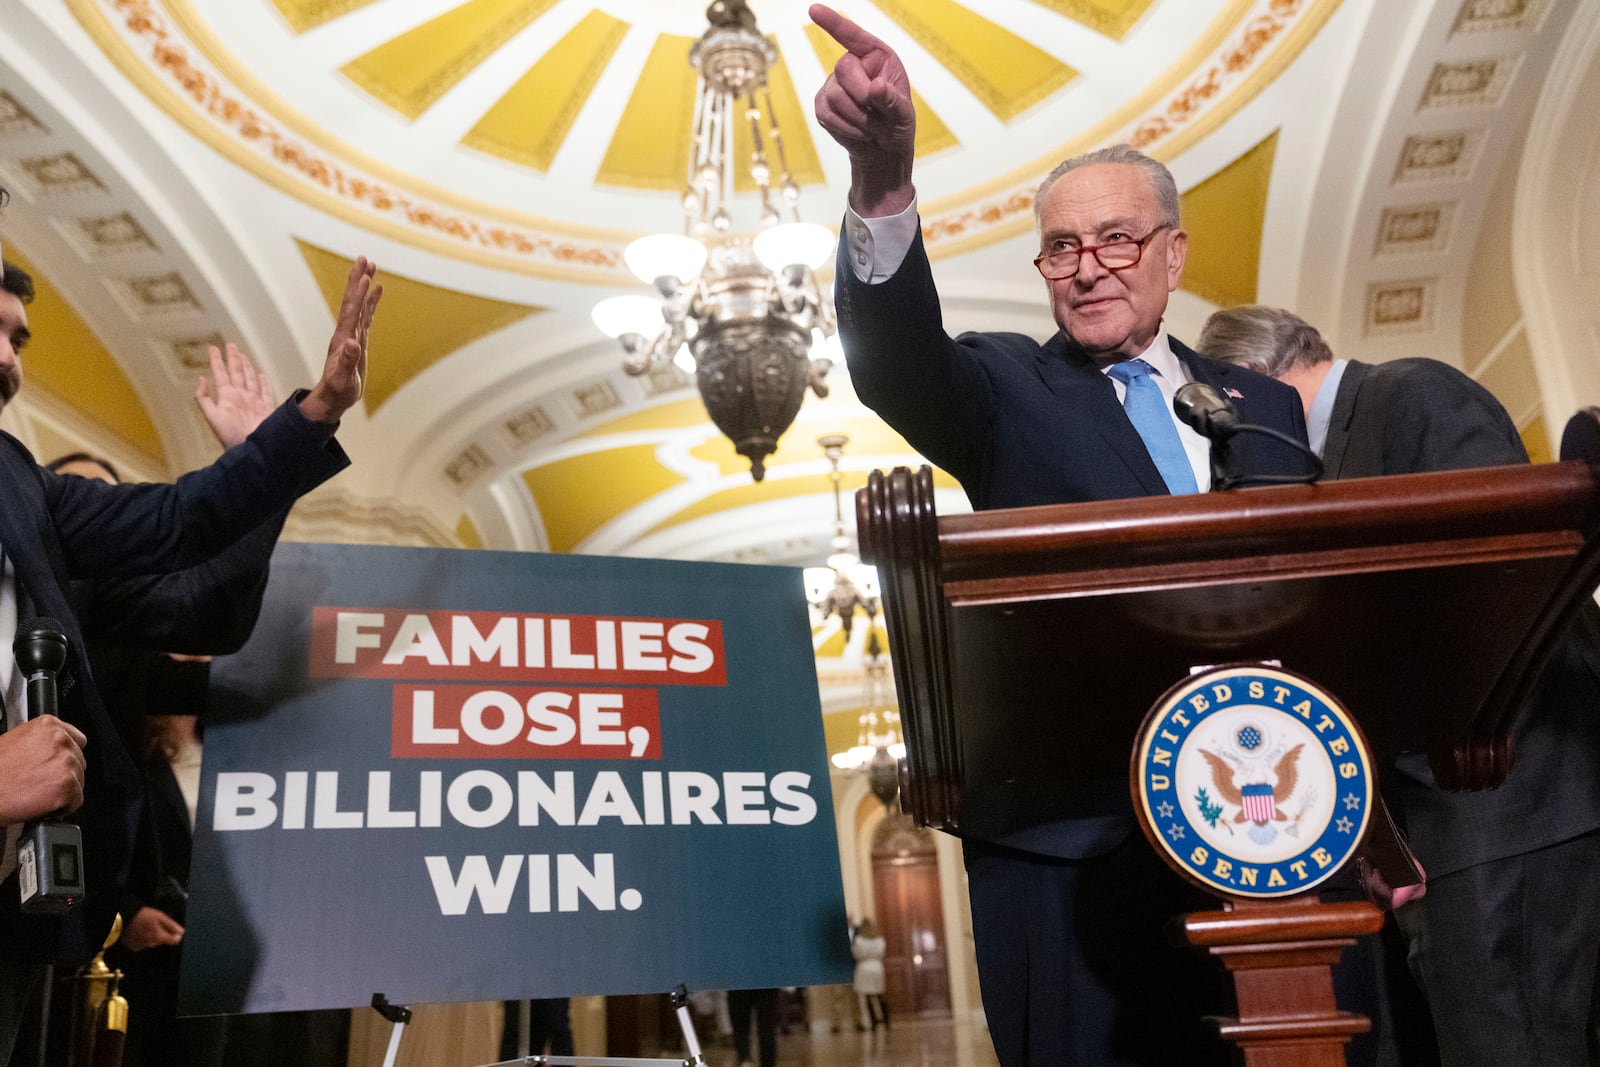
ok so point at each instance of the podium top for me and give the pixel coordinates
(1426, 602)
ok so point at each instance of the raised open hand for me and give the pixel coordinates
(236, 399)
(865, 105)
(344, 374)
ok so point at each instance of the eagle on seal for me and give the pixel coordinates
(1260, 806)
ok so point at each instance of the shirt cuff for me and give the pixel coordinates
(877, 247)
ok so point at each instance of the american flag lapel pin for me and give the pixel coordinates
(1234, 393)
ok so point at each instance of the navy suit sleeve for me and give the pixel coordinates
(124, 530)
(907, 369)
(209, 609)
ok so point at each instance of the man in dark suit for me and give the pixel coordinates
(1068, 917)
(54, 529)
(1505, 941)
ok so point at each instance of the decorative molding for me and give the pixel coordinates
(1415, 228)
(16, 119)
(595, 399)
(1447, 156)
(193, 353)
(338, 519)
(468, 464)
(259, 132)
(1469, 83)
(212, 110)
(528, 426)
(1401, 307)
(1206, 100)
(108, 235)
(664, 378)
(1233, 63)
(60, 174)
(159, 294)
(1496, 16)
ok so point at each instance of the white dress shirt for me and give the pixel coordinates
(14, 692)
(876, 248)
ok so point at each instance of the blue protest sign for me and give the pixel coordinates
(450, 776)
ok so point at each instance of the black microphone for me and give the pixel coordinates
(1209, 414)
(41, 651)
(50, 853)
(1206, 411)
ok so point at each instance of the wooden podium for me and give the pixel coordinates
(1426, 603)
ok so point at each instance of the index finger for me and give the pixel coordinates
(855, 39)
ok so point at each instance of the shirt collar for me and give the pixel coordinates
(1320, 417)
(1160, 356)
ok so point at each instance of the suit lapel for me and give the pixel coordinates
(1090, 396)
(1344, 409)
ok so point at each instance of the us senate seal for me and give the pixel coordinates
(1252, 781)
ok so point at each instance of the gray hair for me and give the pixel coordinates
(1156, 172)
(1266, 339)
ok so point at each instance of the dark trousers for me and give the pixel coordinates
(1508, 955)
(764, 1003)
(549, 1023)
(1076, 965)
(20, 984)
(156, 1036)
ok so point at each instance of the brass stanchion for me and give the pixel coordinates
(100, 1013)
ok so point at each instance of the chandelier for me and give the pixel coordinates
(843, 587)
(743, 314)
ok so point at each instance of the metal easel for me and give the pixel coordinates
(400, 1016)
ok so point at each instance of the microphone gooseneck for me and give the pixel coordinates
(1212, 416)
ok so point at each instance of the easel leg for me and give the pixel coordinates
(680, 1002)
(397, 1014)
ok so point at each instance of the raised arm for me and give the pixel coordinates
(344, 373)
(236, 399)
(865, 105)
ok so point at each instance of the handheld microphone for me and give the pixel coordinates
(50, 854)
(1206, 411)
(41, 651)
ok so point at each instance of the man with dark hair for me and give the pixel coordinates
(1068, 915)
(1506, 940)
(16, 289)
(54, 529)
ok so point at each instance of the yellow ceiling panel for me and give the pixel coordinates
(782, 489)
(840, 729)
(417, 324)
(794, 122)
(1537, 440)
(868, 437)
(67, 360)
(302, 15)
(529, 123)
(1110, 17)
(1224, 216)
(932, 134)
(467, 533)
(578, 495)
(833, 647)
(1002, 70)
(650, 149)
(411, 71)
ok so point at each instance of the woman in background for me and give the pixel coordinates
(868, 949)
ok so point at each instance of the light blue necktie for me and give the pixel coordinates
(1147, 410)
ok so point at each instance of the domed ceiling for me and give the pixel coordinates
(187, 171)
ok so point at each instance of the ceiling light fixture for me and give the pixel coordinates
(744, 315)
